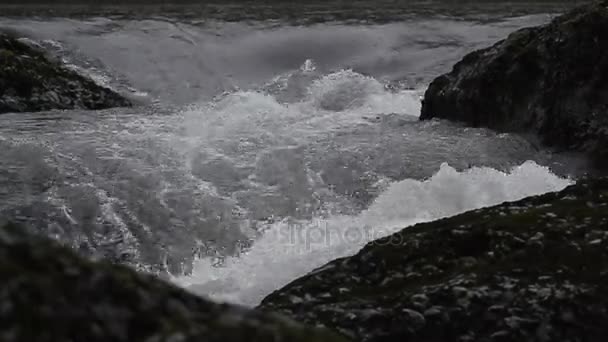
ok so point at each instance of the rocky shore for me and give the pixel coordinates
(49, 293)
(30, 81)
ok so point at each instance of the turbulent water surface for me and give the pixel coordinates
(261, 149)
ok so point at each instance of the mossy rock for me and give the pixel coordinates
(48, 293)
(531, 270)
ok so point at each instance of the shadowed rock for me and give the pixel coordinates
(532, 270)
(48, 293)
(29, 82)
(550, 80)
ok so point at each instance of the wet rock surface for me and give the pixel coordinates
(548, 80)
(30, 81)
(531, 270)
(50, 294)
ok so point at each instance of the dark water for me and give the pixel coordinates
(253, 122)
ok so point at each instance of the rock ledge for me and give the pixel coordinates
(30, 81)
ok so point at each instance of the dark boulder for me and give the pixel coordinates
(532, 270)
(48, 293)
(550, 80)
(30, 81)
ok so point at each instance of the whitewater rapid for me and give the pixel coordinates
(258, 153)
(292, 247)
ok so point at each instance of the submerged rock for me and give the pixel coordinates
(29, 81)
(48, 293)
(550, 80)
(532, 270)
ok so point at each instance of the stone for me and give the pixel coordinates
(549, 82)
(30, 81)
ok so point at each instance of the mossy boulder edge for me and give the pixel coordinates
(531, 270)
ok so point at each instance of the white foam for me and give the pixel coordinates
(340, 99)
(288, 250)
(308, 66)
(347, 90)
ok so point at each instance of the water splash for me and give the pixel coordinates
(289, 248)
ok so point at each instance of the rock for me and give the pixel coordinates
(549, 290)
(29, 81)
(49, 293)
(551, 81)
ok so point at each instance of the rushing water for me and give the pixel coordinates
(261, 149)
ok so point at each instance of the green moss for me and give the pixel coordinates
(5, 55)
